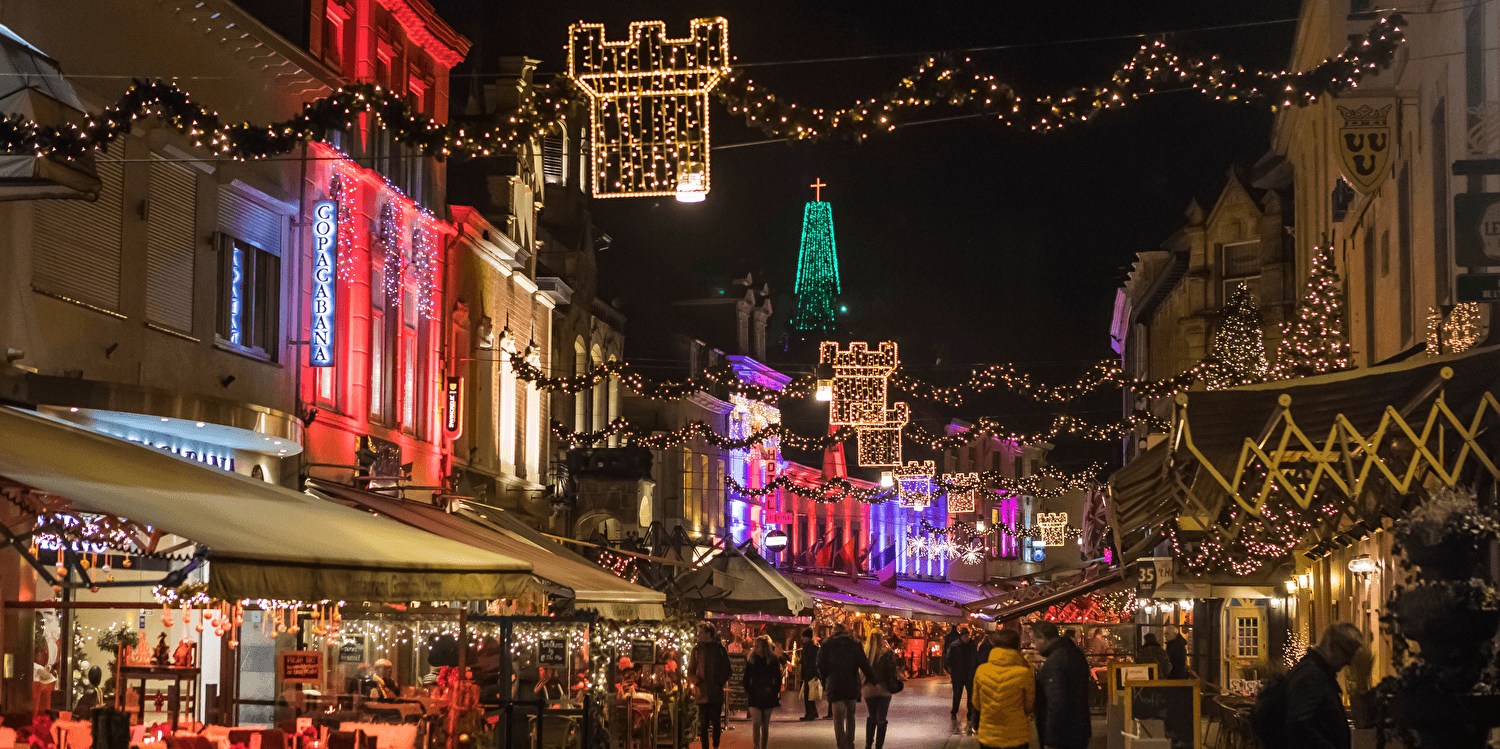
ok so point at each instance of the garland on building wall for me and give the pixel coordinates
(956, 85)
(833, 490)
(941, 81)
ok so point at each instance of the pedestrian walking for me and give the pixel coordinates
(1005, 692)
(1062, 713)
(762, 689)
(840, 662)
(960, 660)
(1151, 651)
(807, 671)
(877, 691)
(708, 675)
(1176, 653)
(1305, 710)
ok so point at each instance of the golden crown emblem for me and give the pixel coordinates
(1365, 116)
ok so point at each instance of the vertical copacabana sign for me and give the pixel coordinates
(325, 282)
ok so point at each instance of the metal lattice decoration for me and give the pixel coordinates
(648, 97)
(1348, 459)
(914, 484)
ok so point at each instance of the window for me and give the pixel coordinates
(249, 297)
(1241, 265)
(382, 330)
(76, 246)
(333, 37)
(1247, 636)
(409, 359)
(555, 158)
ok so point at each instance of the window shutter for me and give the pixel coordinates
(246, 220)
(171, 244)
(76, 244)
(554, 159)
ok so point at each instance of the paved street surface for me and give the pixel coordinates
(918, 720)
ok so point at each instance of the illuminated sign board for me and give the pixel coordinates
(453, 403)
(236, 295)
(325, 282)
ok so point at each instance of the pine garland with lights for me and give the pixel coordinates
(1045, 483)
(1239, 347)
(1316, 342)
(956, 85)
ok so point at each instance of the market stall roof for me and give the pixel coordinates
(956, 593)
(263, 541)
(1041, 596)
(592, 587)
(871, 598)
(1213, 429)
(739, 581)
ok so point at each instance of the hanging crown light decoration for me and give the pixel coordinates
(914, 484)
(880, 447)
(860, 378)
(963, 492)
(1054, 527)
(648, 105)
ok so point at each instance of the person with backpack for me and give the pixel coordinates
(1305, 708)
(762, 689)
(708, 674)
(878, 691)
(1063, 720)
(840, 662)
(1004, 693)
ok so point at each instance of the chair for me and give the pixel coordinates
(1213, 720)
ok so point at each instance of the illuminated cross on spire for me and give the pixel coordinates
(818, 190)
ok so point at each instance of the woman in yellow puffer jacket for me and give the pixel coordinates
(1004, 689)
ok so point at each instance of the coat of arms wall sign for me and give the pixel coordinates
(1364, 142)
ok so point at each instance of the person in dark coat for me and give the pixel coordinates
(708, 673)
(840, 662)
(1062, 713)
(1151, 651)
(959, 660)
(1315, 715)
(762, 689)
(807, 670)
(1176, 653)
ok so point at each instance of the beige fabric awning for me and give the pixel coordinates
(264, 541)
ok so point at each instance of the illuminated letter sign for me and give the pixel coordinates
(453, 402)
(325, 280)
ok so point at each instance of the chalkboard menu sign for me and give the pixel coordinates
(642, 651)
(734, 691)
(302, 666)
(1174, 702)
(353, 651)
(553, 651)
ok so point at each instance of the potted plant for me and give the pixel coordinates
(1443, 625)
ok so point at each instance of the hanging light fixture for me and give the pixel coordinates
(886, 479)
(692, 183)
(1363, 564)
(825, 391)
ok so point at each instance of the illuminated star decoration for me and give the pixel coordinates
(648, 97)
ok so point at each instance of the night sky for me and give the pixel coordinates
(965, 241)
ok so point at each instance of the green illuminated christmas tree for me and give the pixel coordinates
(1314, 342)
(1239, 348)
(817, 286)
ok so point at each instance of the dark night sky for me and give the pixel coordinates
(964, 241)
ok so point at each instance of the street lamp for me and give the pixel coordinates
(692, 183)
(825, 391)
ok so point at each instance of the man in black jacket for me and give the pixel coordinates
(959, 659)
(1315, 715)
(1176, 653)
(807, 670)
(840, 662)
(1062, 692)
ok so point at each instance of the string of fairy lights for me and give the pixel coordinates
(957, 85)
(942, 81)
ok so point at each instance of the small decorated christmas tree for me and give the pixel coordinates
(1314, 342)
(1239, 348)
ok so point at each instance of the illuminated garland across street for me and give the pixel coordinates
(1017, 530)
(941, 81)
(833, 490)
(838, 489)
(955, 85)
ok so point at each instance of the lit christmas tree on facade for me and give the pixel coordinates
(1239, 347)
(1314, 342)
(817, 286)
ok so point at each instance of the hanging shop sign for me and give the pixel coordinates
(1151, 573)
(1365, 141)
(643, 651)
(325, 283)
(1477, 287)
(301, 666)
(779, 517)
(453, 404)
(1476, 223)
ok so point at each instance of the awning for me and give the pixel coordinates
(951, 592)
(1041, 596)
(741, 582)
(33, 89)
(264, 541)
(870, 597)
(591, 587)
